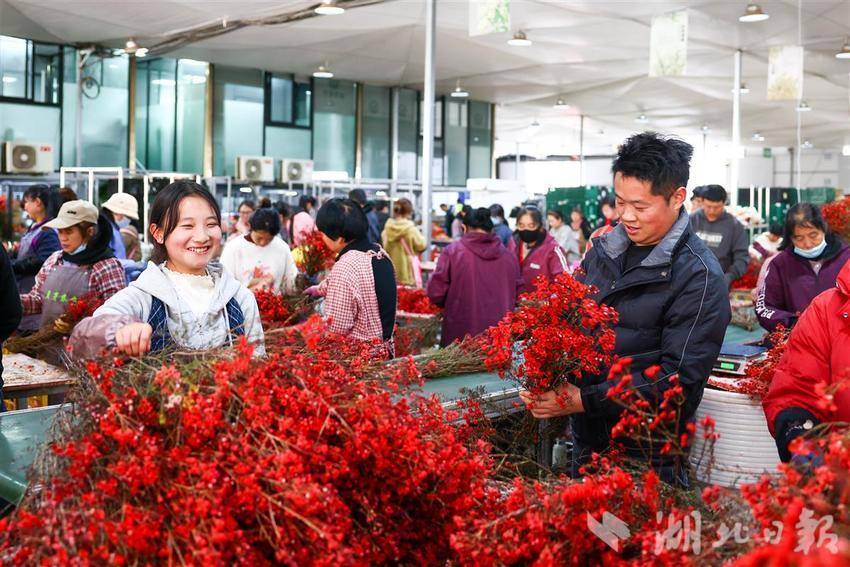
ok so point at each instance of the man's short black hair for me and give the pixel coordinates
(358, 196)
(342, 218)
(697, 192)
(663, 161)
(265, 219)
(714, 193)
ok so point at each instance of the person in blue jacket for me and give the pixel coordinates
(40, 203)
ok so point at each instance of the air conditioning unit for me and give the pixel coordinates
(255, 168)
(21, 157)
(296, 171)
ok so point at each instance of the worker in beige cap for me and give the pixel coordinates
(119, 209)
(84, 267)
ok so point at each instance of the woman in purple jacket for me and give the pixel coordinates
(808, 263)
(476, 280)
(538, 253)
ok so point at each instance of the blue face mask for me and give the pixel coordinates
(495, 220)
(811, 253)
(79, 249)
(123, 223)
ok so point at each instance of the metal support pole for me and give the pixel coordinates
(91, 187)
(394, 155)
(78, 123)
(581, 151)
(736, 131)
(428, 126)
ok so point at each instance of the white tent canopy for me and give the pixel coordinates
(594, 54)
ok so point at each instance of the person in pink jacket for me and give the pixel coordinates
(538, 253)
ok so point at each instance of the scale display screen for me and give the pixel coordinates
(727, 366)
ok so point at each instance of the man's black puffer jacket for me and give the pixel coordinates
(674, 310)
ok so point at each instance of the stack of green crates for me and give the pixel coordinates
(565, 199)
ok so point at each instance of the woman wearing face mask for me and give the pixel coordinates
(119, 209)
(259, 259)
(85, 264)
(538, 253)
(181, 300)
(808, 264)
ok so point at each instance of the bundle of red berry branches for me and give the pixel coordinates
(837, 217)
(288, 460)
(750, 278)
(50, 336)
(415, 300)
(312, 255)
(558, 333)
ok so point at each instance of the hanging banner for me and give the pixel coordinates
(489, 16)
(668, 45)
(785, 73)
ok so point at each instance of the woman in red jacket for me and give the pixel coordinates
(538, 253)
(816, 361)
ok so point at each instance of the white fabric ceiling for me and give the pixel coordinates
(593, 53)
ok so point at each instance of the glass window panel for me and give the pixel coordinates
(46, 67)
(33, 124)
(280, 98)
(104, 120)
(161, 99)
(69, 108)
(191, 105)
(334, 128)
(13, 67)
(480, 134)
(288, 143)
(438, 118)
(303, 104)
(237, 116)
(455, 142)
(408, 136)
(376, 132)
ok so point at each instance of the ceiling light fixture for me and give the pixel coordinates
(323, 72)
(845, 150)
(459, 91)
(753, 13)
(131, 46)
(642, 119)
(535, 124)
(142, 52)
(807, 145)
(743, 89)
(560, 103)
(803, 106)
(329, 8)
(757, 137)
(845, 50)
(246, 189)
(705, 128)
(519, 40)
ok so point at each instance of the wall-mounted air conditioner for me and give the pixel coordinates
(296, 171)
(255, 168)
(23, 157)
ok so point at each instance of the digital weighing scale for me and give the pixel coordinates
(734, 358)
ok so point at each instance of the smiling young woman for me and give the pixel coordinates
(180, 300)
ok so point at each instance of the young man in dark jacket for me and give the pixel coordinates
(10, 309)
(669, 291)
(359, 197)
(722, 233)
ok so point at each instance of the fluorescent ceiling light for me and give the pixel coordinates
(705, 128)
(561, 103)
(142, 52)
(803, 106)
(757, 137)
(246, 190)
(131, 46)
(807, 145)
(323, 72)
(845, 50)
(329, 8)
(753, 13)
(642, 119)
(519, 40)
(459, 91)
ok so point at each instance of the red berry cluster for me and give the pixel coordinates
(837, 217)
(415, 300)
(312, 255)
(272, 307)
(750, 279)
(562, 331)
